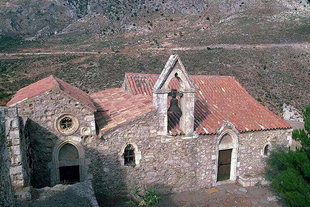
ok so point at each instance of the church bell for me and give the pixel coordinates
(174, 103)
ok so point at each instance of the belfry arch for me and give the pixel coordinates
(68, 164)
(175, 84)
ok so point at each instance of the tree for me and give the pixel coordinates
(289, 171)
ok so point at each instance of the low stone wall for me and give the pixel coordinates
(6, 192)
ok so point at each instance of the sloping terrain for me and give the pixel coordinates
(91, 44)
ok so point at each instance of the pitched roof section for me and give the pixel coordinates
(218, 99)
(48, 84)
(117, 106)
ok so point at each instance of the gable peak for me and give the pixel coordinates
(174, 68)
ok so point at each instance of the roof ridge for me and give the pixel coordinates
(196, 75)
(55, 80)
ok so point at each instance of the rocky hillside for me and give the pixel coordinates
(265, 44)
(38, 18)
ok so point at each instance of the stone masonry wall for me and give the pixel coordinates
(6, 191)
(251, 146)
(17, 147)
(41, 113)
(170, 164)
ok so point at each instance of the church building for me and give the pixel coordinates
(171, 131)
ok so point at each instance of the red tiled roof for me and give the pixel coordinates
(47, 84)
(117, 106)
(218, 99)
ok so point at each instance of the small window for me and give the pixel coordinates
(67, 124)
(266, 150)
(129, 155)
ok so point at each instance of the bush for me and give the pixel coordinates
(149, 199)
(289, 171)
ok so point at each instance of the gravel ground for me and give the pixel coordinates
(230, 195)
(223, 196)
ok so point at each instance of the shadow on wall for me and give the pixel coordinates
(110, 184)
(39, 153)
(108, 178)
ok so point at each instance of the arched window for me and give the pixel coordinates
(266, 150)
(129, 155)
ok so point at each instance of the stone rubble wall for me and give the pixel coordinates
(251, 159)
(169, 164)
(6, 189)
(41, 113)
(17, 147)
(291, 113)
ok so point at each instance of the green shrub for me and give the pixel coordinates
(9, 42)
(149, 199)
(289, 171)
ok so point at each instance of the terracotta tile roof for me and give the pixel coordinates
(117, 106)
(218, 99)
(50, 83)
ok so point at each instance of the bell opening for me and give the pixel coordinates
(174, 111)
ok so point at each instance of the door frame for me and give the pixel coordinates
(55, 178)
(234, 155)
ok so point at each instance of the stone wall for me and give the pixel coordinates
(17, 147)
(251, 148)
(170, 164)
(251, 152)
(41, 113)
(6, 191)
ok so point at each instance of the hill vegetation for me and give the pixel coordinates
(265, 44)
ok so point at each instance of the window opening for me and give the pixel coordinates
(266, 150)
(66, 123)
(129, 155)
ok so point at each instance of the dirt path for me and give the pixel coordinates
(302, 46)
(305, 46)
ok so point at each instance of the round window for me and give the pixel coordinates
(67, 124)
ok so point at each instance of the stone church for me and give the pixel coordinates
(170, 131)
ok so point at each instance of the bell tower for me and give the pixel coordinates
(174, 98)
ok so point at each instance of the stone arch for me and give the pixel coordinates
(176, 78)
(266, 149)
(174, 69)
(227, 143)
(68, 153)
(138, 154)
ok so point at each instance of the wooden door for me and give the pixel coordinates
(224, 165)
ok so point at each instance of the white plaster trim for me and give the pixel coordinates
(230, 130)
(194, 136)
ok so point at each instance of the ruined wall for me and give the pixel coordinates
(17, 147)
(168, 163)
(6, 192)
(42, 112)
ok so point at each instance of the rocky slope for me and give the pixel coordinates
(117, 36)
(37, 18)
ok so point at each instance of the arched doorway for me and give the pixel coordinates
(227, 158)
(68, 163)
(69, 166)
